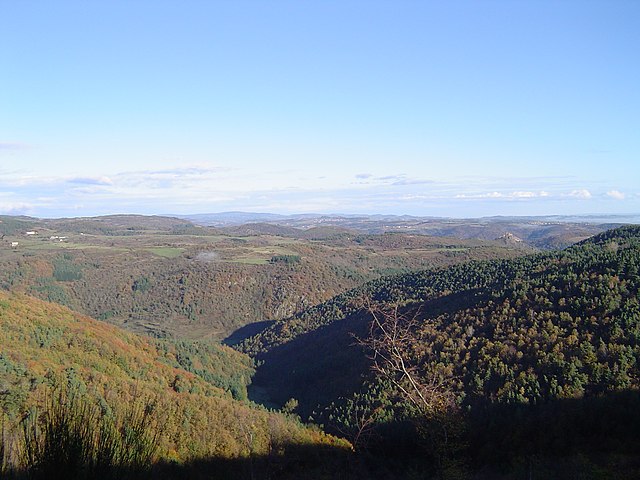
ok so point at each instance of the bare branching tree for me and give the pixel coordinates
(396, 345)
(391, 342)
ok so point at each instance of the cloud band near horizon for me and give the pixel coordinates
(200, 189)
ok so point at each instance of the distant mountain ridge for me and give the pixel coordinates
(552, 231)
(545, 232)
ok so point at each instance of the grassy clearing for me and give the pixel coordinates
(260, 255)
(166, 252)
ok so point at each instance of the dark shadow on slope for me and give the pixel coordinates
(586, 439)
(453, 302)
(500, 435)
(318, 367)
(292, 462)
(242, 333)
(314, 368)
(286, 462)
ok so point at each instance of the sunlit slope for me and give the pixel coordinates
(42, 341)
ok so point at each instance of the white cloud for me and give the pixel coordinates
(394, 180)
(101, 180)
(509, 195)
(15, 208)
(615, 194)
(480, 195)
(209, 187)
(582, 193)
(524, 195)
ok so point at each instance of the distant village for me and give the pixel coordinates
(30, 234)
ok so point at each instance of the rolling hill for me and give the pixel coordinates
(45, 346)
(545, 232)
(515, 364)
(552, 338)
(168, 277)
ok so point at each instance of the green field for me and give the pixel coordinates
(166, 252)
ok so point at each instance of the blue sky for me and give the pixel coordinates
(424, 108)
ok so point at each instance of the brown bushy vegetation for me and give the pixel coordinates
(113, 370)
(73, 436)
(170, 278)
(70, 435)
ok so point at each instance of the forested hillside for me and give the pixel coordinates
(191, 413)
(168, 277)
(490, 363)
(493, 347)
